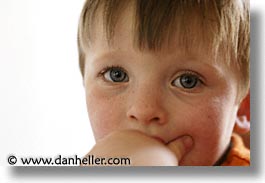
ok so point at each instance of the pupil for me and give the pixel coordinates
(117, 75)
(188, 81)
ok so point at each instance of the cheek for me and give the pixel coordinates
(104, 112)
(205, 125)
(210, 124)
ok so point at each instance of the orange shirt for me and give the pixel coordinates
(238, 155)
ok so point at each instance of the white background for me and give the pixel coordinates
(42, 100)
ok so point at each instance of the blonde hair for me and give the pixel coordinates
(223, 24)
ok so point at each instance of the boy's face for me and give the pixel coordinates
(165, 94)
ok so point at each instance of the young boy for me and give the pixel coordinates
(164, 80)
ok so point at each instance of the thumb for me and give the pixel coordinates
(181, 146)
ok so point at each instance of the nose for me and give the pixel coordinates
(147, 107)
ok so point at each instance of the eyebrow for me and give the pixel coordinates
(188, 60)
(214, 67)
(188, 56)
(104, 56)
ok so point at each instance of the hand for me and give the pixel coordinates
(141, 149)
(181, 146)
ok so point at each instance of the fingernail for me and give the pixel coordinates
(188, 142)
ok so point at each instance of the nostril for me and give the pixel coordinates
(156, 119)
(133, 117)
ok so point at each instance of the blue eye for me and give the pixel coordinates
(115, 74)
(186, 81)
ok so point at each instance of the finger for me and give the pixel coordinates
(181, 146)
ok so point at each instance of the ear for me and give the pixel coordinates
(242, 125)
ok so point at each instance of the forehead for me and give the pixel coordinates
(187, 35)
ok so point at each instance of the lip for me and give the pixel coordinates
(159, 139)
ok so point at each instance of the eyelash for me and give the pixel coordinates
(200, 80)
(108, 68)
(186, 72)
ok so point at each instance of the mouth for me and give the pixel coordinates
(159, 139)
